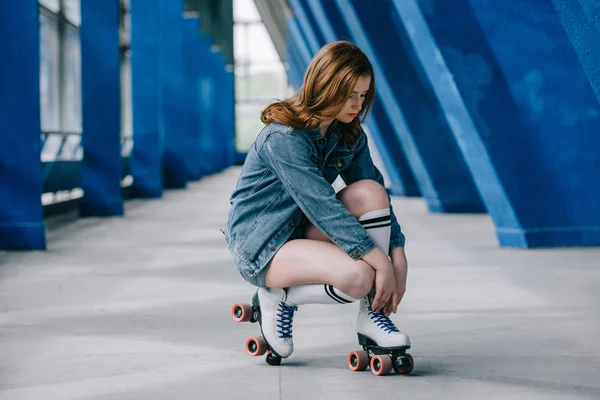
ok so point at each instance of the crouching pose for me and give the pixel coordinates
(289, 232)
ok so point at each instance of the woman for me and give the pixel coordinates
(288, 231)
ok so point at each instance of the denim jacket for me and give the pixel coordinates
(287, 179)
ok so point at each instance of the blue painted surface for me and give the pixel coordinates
(313, 40)
(401, 180)
(435, 145)
(293, 70)
(21, 224)
(206, 94)
(534, 149)
(581, 20)
(193, 149)
(300, 44)
(175, 172)
(221, 97)
(101, 91)
(148, 135)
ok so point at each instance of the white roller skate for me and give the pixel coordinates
(384, 345)
(275, 318)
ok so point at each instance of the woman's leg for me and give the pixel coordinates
(317, 260)
(314, 270)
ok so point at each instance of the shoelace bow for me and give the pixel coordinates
(285, 315)
(382, 321)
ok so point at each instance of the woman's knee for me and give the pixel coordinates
(364, 196)
(358, 280)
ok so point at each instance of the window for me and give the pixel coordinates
(126, 91)
(260, 77)
(60, 67)
(60, 98)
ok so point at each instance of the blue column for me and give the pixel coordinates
(101, 91)
(219, 129)
(401, 180)
(191, 50)
(175, 172)
(21, 224)
(452, 185)
(148, 135)
(293, 72)
(229, 110)
(440, 170)
(207, 93)
(581, 20)
(524, 112)
(298, 37)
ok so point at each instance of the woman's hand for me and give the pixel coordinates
(385, 286)
(400, 267)
(385, 290)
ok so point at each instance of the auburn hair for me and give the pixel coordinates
(328, 84)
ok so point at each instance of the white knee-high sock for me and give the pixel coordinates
(316, 294)
(378, 224)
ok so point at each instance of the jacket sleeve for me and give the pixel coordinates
(362, 167)
(289, 158)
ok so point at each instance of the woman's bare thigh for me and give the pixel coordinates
(305, 261)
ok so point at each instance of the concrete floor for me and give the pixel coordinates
(138, 308)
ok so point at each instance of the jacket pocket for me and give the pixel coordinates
(340, 160)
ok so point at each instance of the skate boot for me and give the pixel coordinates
(384, 346)
(379, 328)
(276, 319)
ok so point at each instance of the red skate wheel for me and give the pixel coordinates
(256, 346)
(381, 364)
(241, 312)
(358, 360)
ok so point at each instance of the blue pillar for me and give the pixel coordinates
(581, 20)
(21, 224)
(401, 180)
(148, 135)
(101, 91)
(207, 90)
(193, 151)
(292, 70)
(175, 172)
(528, 133)
(440, 170)
(229, 110)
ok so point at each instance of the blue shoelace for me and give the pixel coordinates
(285, 316)
(382, 321)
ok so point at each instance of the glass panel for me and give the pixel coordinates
(51, 148)
(49, 73)
(245, 10)
(72, 11)
(248, 124)
(126, 91)
(72, 80)
(52, 5)
(71, 149)
(264, 82)
(260, 76)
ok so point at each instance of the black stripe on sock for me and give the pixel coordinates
(373, 220)
(378, 226)
(330, 294)
(335, 296)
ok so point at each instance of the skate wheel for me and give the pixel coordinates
(256, 346)
(358, 360)
(381, 364)
(405, 368)
(273, 359)
(241, 312)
